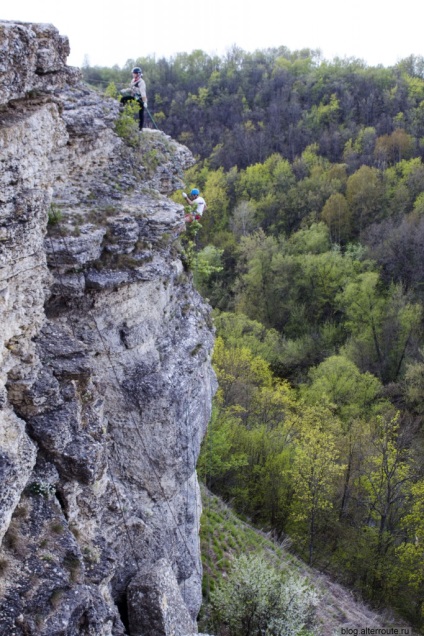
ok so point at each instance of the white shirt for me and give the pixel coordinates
(200, 203)
(138, 88)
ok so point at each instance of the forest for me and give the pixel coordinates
(311, 253)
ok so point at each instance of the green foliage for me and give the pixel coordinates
(312, 240)
(419, 204)
(240, 373)
(414, 386)
(382, 325)
(410, 552)
(188, 243)
(214, 191)
(220, 456)
(207, 263)
(338, 382)
(112, 91)
(315, 474)
(54, 215)
(314, 180)
(238, 328)
(364, 192)
(337, 216)
(41, 488)
(243, 221)
(126, 125)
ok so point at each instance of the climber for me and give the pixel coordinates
(136, 91)
(197, 200)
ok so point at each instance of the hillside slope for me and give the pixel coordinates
(225, 536)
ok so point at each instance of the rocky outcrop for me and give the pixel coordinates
(155, 603)
(105, 375)
(32, 59)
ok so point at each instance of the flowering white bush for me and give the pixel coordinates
(256, 601)
(298, 602)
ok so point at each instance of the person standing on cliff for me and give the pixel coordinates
(136, 91)
(198, 201)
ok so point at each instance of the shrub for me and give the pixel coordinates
(54, 215)
(255, 600)
(126, 125)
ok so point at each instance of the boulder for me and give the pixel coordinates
(155, 604)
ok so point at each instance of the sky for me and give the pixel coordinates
(105, 33)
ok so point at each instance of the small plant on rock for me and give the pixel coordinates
(54, 215)
(126, 125)
(41, 488)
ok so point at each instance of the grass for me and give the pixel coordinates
(73, 565)
(56, 597)
(57, 527)
(225, 536)
(3, 565)
(54, 215)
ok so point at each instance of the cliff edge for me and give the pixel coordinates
(105, 374)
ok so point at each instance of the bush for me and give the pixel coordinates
(127, 123)
(255, 600)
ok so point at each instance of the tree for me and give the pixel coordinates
(364, 196)
(240, 374)
(214, 189)
(411, 553)
(243, 221)
(383, 488)
(255, 182)
(338, 381)
(237, 330)
(311, 240)
(398, 249)
(256, 291)
(361, 150)
(414, 385)
(221, 457)
(337, 216)
(206, 263)
(315, 474)
(390, 149)
(382, 325)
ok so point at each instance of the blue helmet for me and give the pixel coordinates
(195, 192)
(137, 69)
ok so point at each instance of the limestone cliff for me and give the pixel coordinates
(105, 375)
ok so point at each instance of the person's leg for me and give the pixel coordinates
(125, 99)
(141, 116)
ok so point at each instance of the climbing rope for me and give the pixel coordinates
(151, 117)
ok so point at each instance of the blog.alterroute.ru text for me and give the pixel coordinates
(375, 631)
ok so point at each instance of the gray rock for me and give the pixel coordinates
(75, 251)
(72, 285)
(40, 54)
(105, 373)
(122, 235)
(155, 605)
(105, 279)
(17, 459)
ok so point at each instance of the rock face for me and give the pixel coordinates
(105, 374)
